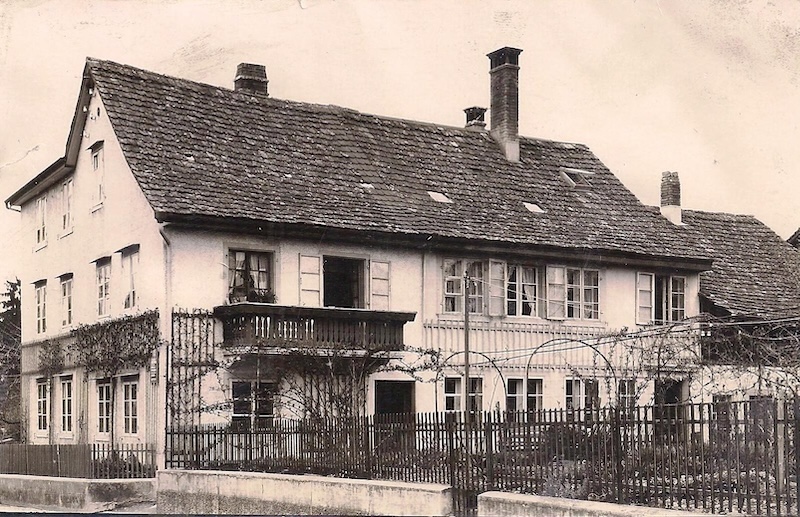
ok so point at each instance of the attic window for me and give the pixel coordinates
(439, 197)
(577, 178)
(533, 207)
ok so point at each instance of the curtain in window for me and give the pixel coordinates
(259, 271)
(528, 290)
(236, 267)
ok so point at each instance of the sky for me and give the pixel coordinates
(709, 89)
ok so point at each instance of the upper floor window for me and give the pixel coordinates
(41, 306)
(250, 276)
(454, 272)
(66, 206)
(103, 271)
(41, 220)
(573, 293)
(66, 300)
(660, 298)
(98, 169)
(522, 291)
(343, 282)
(130, 268)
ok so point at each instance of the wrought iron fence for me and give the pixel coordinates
(92, 461)
(719, 458)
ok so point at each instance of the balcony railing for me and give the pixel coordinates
(281, 326)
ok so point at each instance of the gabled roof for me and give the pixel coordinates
(755, 273)
(199, 152)
(794, 240)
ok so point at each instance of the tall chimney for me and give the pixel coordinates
(251, 78)
(475, 120)
(671, 197)
(504, 72)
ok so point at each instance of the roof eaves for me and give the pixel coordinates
(39, 183)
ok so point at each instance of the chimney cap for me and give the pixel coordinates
(251, 78)
(250, 71)
(504, 56)
(475, 117)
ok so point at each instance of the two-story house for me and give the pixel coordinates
(269, 233)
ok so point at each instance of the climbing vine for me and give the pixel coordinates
(51, 358)
(111, 346)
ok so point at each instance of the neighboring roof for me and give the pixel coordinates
(755, 273)
(203, 151)
(794, 240)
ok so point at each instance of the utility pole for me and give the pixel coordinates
(466, 348)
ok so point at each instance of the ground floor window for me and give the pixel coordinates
(535, 394)
(130, 403)
(253, 404)
(66, 404)
(452, 394)
(104, 406)
(515, 395)
(582, 394)
(42, 403)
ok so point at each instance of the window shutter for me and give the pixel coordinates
(497, 285)
(644, 298)
(310, 280)
(556, 292)
(379, 285)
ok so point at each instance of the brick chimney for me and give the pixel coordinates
(504, 72)
(251, 78)
(475, 120)
(671, 197)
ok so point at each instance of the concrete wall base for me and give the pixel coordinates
(74, 493)
(500, 504)
(196, 491)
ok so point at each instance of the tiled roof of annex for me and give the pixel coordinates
(755, 273)
(201, 150)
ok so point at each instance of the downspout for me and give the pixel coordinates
(161, 430)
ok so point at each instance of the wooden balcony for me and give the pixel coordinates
(281, 326)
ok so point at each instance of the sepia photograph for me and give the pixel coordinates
(400, 257)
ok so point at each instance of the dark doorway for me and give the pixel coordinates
(394, 397)
(343, 282)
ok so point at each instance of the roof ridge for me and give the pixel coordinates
(313, 106)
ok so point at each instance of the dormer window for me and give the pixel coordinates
(439, 197)
(533, 207)
(576, 178)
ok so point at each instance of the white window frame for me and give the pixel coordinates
(103, 283)
(66, 207)
(534, 394)
(98, 168)
(577, 305)
(40, 293)
(41, 221)
(453, 285)
(452, 394)
(130, 406)
(516, 297)
(104, 409)
(66, 300)
(247, 273)
(627, 395)
(42, 404)
(647, 285)
(576, 393)
(66, 404)
(515, 394)
(130, 268)
(475, 394)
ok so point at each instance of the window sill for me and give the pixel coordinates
(65, 233)
(39, 246)
(97, 207)
(104, 317)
